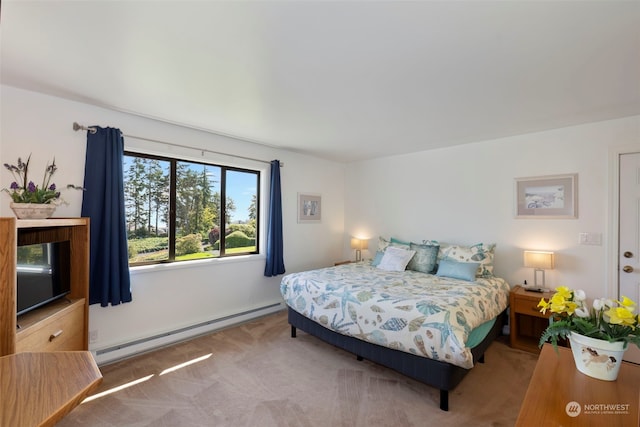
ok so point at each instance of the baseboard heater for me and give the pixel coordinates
(171, 337)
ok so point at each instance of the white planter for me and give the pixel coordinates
(33, 210)
(597, 358)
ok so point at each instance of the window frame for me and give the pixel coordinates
(171, 226)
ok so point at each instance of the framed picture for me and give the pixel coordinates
(542, 197)
(309, 207)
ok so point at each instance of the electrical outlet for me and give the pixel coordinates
(93, 335)
(590, 239)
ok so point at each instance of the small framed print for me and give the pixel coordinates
(544, 197)
(309, 207)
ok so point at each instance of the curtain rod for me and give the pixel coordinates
(93, 130)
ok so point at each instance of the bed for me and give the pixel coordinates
(430, 327)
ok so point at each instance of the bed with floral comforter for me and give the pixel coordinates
(417, 313)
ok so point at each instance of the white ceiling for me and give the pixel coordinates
(343, 80)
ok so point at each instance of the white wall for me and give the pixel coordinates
(462, 194)
(168, 297)
(465, 194)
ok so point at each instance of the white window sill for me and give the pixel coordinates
(153, 268)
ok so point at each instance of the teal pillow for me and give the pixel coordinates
(458, 270)
(426, 258)
(481, 252)
(397, 242)
(377, 258)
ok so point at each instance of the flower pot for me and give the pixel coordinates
(597, 358)
(33, 210)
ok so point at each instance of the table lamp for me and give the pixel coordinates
(539, 261)
(358, 245)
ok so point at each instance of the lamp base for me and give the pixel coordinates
(535, 278)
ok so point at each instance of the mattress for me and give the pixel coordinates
(414, 312)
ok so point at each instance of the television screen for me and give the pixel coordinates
(42, 274)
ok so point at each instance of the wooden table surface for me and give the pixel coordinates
(38, 389)
(557, 389)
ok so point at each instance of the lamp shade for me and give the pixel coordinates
(539, 259)
(358, 244)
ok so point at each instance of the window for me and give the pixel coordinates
(179, 210)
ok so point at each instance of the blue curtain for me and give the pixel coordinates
(103, 203)
(275, 256)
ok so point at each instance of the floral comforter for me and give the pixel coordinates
(410, 311)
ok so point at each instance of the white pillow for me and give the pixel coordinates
(395, 259)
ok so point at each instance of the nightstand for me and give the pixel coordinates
(342, 262)
(527, 323)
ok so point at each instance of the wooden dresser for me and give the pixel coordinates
(560, 395)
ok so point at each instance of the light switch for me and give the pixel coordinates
(590, 239)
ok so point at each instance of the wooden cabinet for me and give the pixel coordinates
(527, 323)
(560, 395)
(58, 325)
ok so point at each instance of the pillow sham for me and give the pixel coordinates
(395, 259)
(457, 270)
(382, 244)
(481, 253)
(426, 258)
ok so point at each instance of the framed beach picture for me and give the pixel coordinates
(309, 207)
(554, 196)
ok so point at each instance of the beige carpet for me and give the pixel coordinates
(257, 375)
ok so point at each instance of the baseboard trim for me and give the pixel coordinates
(129, 349)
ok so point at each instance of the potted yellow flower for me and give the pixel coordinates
(599, 335)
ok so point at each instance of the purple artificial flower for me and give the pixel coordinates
(24, 190)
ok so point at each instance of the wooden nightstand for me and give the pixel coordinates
(526, 322)
(342, 262)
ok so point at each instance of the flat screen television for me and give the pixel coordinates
(42, 274)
